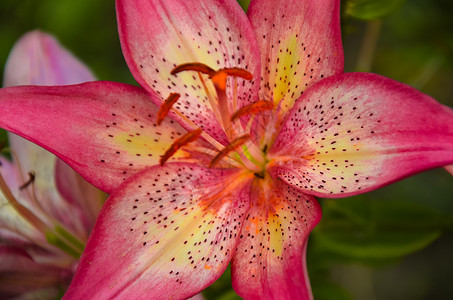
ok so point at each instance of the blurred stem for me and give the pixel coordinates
(371, 36)
(430, 68)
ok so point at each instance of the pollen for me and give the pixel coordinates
(219, 77)
(230, 147)
(193, 66)
(254, 108)
(182, 141)
(166, 106)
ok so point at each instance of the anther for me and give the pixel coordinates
(236, 72)
(219, 77)
(182, 141)
(254, 108)
(194, 66)
(230, 147)
(166, 106)
(31, 179)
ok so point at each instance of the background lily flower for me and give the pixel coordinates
(243, 190)
(47, 210)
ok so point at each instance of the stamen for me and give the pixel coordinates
(254, 108)
(211, 99)
(22, 210)
(194, 66)
(236, 72)
(166, 106)
(230, 147)
(219, 77)
(30, 180)
(184, 140)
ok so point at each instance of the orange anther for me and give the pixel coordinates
(194, 66)
(166, 106)
(237, 72)
(182, 141)
(219, 77)
(230, 147)
(254, 108)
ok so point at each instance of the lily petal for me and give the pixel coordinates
(14, 225)
(300, 43)
(42, 195)
(106, 131)
(20, 274)
(270, 258)
(38, 59)
(356, 132)
(157, 36)
(84, 198)
(166, 233)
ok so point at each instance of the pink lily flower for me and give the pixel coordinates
(47, 210)
(240, 121)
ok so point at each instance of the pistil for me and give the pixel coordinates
(248, 155)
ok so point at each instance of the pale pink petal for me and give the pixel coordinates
(14, 225)
(83, 197)
(356, 132)
(300, 43)
(449, 169)
(156, 36)
(37, 58)
(167, 233)
(197, 297)
(42, 196)
(20, 274)
(105, 131)
(270, 258)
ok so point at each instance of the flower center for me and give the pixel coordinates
(243, 149)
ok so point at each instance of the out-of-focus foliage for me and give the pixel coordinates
(87, 28)
(378, 230)
(371, 9)
(244, 4)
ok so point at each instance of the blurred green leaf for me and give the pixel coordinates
(328, 290)
(377, 230)
(244, 4)
(221, 288)
(229, 295)
(379, 245)
(372, 9)
(3, 137)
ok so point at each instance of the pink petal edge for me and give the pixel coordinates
(106, 131)
(300, 43)
(156, 36)
(270, 261)
(355, 132)
(167, 232)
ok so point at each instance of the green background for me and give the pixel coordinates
(393, 243)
